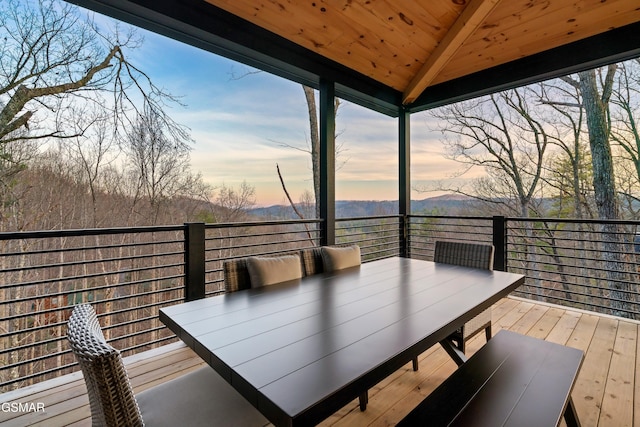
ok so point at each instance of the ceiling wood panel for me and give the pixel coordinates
(516, 31)
(327, 30)
(410, 45)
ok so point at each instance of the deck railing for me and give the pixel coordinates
(126, 273)
(587, 264)
(378, 236)
(129, 273)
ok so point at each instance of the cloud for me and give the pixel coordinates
(241, 127)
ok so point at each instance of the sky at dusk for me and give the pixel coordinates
(245, 123)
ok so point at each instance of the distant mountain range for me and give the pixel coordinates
(446, 204)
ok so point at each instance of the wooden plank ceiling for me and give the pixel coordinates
(410, 45)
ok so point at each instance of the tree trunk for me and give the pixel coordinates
(314, 135)
(596, 106)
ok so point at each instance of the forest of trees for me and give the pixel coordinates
(86, 143)
(85, 140)
(74, 106)
(564, 148)
(572, 140)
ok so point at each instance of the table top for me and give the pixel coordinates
(300, 350)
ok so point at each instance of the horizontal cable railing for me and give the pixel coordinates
(237, 240)
(588, 264)
(424, 230)
(378, 236)
(126, 273)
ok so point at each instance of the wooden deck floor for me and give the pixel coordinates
(606, 394)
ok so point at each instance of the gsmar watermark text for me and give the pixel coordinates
(22, 407)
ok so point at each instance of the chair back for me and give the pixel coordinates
(311, 261)
(476, 255)
(236, 275)
(110, 394)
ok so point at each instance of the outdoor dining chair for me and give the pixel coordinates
(312, 261)
(476, 255)
(318, 260)
(257, 271)
(200, 398)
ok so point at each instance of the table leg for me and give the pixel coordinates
(364, 399)
(570, 415)
(456, 354)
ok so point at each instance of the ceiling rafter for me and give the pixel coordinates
(471, 18)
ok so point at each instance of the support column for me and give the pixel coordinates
(404, 179)
(194, 261)
(500, 243)
(327, 162)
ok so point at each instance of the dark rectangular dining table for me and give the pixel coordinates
(301, 350)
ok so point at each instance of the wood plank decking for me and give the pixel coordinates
(606, 394)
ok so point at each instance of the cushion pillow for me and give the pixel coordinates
(265, 271)
(337, 258)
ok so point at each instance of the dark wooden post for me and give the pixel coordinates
(500, 243)
(194, 261)
(327, 162)
(404, 179)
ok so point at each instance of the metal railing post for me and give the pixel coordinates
(404, 238)
(500, 243)
(404, 178)
(327, 162)
(194, 261)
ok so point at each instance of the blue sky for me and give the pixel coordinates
(241, 126)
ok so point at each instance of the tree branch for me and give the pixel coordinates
(293, 206)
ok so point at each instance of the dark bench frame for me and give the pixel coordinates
(514, 380)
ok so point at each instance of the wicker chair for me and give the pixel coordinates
(465, 254)
(236, 275)
(199, 398)
(312, 261)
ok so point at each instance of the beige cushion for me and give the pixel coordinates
(265, 271)
(337, 258)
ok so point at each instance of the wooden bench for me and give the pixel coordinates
(514, 380)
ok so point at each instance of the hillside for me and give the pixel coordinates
(447, 204)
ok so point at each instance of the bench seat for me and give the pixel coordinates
(514, 380)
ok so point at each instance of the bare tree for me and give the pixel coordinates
(313, 146)
(233, 203)
(568, 172)
(625, 114)
(500, 134)
(159, 162)
(14, 158)
(313, 143)
(92, 152)
(314, 136)
(596, 88)
(53, 59)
